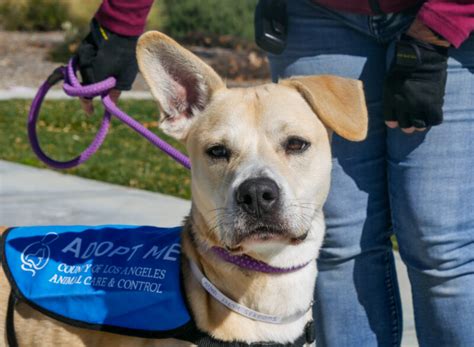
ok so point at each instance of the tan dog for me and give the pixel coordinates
(261, 167)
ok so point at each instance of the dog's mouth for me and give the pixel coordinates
(264, 233)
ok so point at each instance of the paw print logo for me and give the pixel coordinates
(36, 255)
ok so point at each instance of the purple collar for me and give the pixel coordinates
(246, 262)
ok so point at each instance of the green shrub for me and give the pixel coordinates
(213, 17)
(33, 14)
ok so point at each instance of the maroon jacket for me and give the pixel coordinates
(452, 19)
(124, 17)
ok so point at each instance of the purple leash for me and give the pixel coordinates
(72, 87)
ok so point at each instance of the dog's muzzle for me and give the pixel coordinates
(259, 204)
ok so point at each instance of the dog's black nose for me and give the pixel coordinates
(258, 196)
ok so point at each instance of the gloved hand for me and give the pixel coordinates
(103, 54)
(415, 84)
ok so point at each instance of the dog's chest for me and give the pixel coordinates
(122, 279)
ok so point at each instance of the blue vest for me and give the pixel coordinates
(117, 278)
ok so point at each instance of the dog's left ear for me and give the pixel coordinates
(181, 82)
(339, 103)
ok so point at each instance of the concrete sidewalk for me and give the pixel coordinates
(31, 196)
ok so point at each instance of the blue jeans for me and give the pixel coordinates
(419, 186)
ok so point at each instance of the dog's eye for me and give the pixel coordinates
(218, 152)
(294, 145)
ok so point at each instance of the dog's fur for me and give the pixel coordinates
(254, 124)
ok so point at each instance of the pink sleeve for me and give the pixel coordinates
(452, 19)
(124, 17)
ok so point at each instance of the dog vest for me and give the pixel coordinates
(115, 278)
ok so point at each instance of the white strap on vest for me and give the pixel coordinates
(238, 308)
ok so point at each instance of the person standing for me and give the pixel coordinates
(413, 176)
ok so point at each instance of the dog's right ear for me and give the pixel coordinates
(181, 82)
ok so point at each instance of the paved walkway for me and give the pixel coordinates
(36, 196)
(19, 92)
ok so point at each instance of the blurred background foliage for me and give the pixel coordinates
(33, 14)
(222, 23)
(179, 19)
(216, 17)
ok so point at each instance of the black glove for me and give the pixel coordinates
(103, 54)
(415, 84)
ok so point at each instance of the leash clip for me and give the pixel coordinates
(56, 76)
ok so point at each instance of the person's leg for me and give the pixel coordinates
(356, 299)
(431, 183)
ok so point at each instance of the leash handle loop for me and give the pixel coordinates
(58, 75)
(73, 87)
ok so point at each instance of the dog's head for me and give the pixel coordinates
(260, 156)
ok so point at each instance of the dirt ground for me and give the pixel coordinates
(24, 61)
